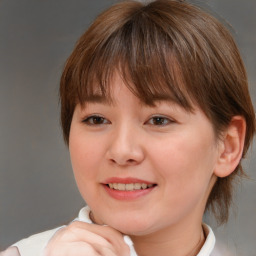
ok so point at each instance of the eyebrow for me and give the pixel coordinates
(96, 98)
(160, 99)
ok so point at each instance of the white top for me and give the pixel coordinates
(34, 245)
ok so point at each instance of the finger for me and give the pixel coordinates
(112, 236)
(71, 249)
(104, 251)
(74, 234)
(95, 235)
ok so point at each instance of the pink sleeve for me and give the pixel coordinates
(11, 251)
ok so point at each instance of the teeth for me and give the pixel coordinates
(137, 186)
(144, 185)
(129, 186)
(120, 186)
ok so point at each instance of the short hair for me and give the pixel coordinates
(170, 49)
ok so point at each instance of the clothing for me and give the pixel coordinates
(11, 251)
(35, 244)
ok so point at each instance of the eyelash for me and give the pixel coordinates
(90, 120)
(163, 121)
(155, 120)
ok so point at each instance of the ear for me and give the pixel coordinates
(231, 147)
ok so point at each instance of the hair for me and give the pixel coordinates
(165, 49)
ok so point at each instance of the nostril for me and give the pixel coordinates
(124, 162)
(112, 160)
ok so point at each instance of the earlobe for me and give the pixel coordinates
(231, 148)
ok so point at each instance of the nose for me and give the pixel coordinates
(125, 147)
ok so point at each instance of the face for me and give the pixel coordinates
(140, 168)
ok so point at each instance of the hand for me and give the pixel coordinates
(83, 239)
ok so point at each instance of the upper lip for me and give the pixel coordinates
(127, 180)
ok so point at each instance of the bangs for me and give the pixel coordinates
(142, 54)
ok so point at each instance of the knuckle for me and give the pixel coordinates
(112, 232)
(74, 224)
(73, 227)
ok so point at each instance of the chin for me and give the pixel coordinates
(132, 227)
(132, 231)
(130, 222)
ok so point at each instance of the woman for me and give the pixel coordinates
(157, 116)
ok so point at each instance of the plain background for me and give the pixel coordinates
(37, 188)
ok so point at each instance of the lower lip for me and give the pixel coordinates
(126, 194)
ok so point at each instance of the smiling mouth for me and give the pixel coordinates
(130, 186)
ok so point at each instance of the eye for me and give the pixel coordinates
(159, 121)
(95, 120)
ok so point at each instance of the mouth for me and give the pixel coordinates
(129, 186)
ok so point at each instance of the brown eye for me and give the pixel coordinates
(159, 121)
(95, 120)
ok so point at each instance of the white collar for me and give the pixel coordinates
(206, 250)
(209, 243)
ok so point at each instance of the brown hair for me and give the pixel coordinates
(167, 49)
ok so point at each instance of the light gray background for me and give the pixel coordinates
(37, 188)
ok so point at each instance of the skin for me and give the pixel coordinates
(80, 238)
(163, 145)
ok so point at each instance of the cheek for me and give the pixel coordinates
(186, 166)
(84, 159)
(85, 154)
(80, 155)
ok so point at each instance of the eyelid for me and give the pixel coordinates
(169, 120)
(86, 119)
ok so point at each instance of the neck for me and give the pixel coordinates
(188, 242)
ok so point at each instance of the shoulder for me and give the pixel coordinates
(35, 244)
(30, 246)
(11, 251)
